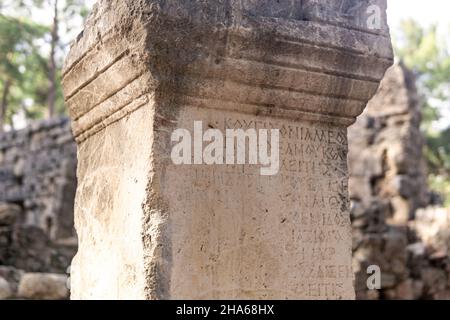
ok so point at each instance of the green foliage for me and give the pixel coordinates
(440, 184)
(422, 51)
(438, 147)
(21, 63)
(24, 52)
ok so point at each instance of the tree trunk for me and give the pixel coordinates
(4, 104)
(51, 98)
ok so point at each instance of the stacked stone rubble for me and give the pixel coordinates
(429, 251)
(37, 187)
(37, 172)
(388, 186)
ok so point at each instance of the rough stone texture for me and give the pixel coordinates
(5, 289)
(388, 170)
(151, 230)
(28, 247)
(43, 286)
(37, 168)
(432, 226)
(429, 252)
(13, 276)
(387, 188)
(9, 213)
(37, 187)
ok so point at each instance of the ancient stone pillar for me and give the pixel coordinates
(151, 229)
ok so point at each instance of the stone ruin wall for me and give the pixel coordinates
(37, 188)
(387, 187)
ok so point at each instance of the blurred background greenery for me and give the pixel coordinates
(427, 54)
(35, 35)
(33, 42)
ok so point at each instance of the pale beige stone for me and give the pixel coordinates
(5, 289)
(402, 211)
(43, 286)
(432, 226)
(151, 230)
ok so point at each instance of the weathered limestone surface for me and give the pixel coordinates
(151, 230)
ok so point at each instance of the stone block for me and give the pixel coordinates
(5, 289)
(152, 229)
(9, 213)
(43, 286)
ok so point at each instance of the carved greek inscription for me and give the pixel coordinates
(296, 220)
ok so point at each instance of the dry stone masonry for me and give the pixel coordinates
(386, 151)
(150, 229)
(37, 188)
(37, 168)
(388, 188)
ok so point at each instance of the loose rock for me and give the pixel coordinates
(43, 286)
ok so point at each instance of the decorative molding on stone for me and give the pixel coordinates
(313, 68)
